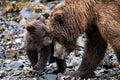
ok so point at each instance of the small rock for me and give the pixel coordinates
(15, 65)
(10, 53)
(2, 74)
(17, 72)
(22, 22)
(7, 61)
(50, 76)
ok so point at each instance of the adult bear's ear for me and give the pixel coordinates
(58, 16)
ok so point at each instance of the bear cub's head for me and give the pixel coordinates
(39, 33)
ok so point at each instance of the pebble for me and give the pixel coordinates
(15, 65)
(7, 61)
(26, 12)
(2, 74)
(81, 40)
(50, 76)
(17, 73)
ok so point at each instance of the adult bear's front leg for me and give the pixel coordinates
(94, 53)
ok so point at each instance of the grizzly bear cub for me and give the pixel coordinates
(39, 47)
(99, 19)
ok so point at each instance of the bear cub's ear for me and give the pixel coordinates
(30, 28)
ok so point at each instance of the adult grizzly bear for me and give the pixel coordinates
(39, 47)
(99, 19)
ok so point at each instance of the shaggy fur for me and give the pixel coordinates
(39, 47)
(99, 19)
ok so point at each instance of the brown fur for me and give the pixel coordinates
(99, 19)
(39, 47)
